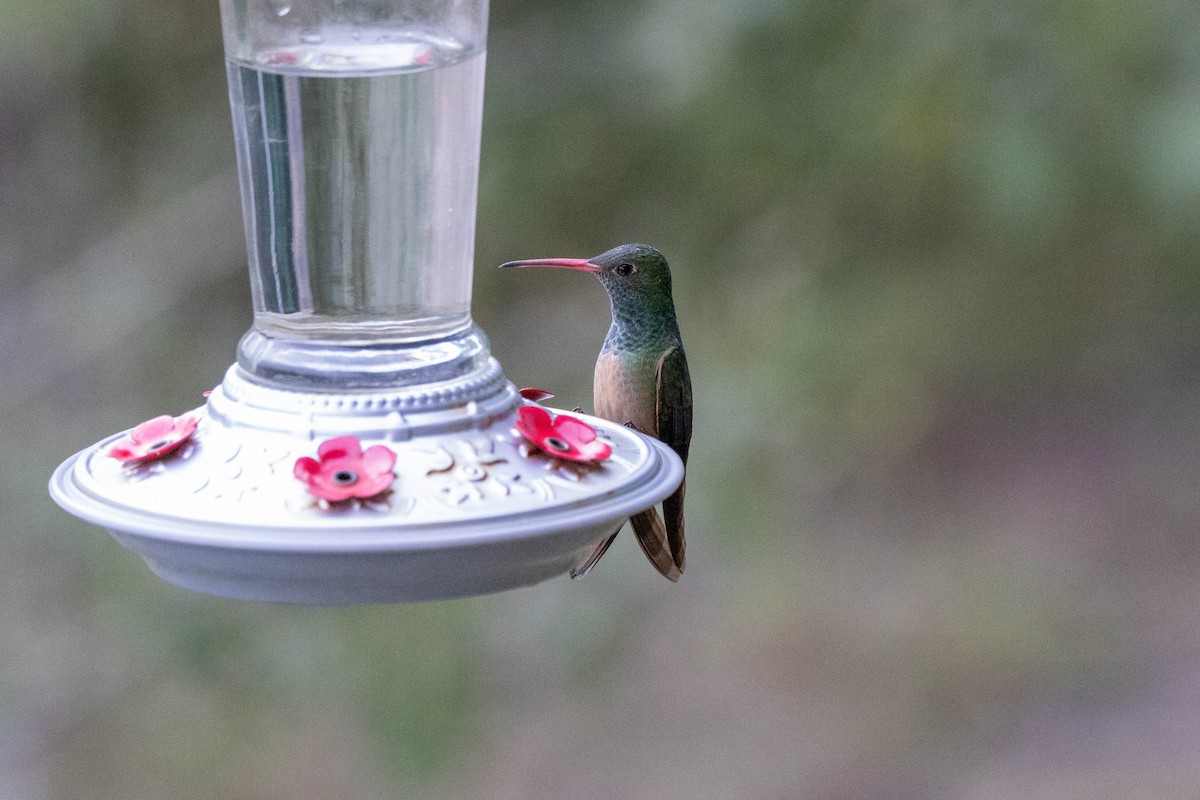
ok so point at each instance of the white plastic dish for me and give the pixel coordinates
(474, 509)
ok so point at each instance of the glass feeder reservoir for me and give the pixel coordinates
(365, 447)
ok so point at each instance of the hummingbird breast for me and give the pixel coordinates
(624, 389)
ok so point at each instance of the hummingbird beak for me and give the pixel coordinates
(559, 263)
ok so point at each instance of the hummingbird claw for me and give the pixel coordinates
(578, 410)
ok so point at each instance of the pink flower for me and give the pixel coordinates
(535, 395)
(345, 471)
(154, 439)
(563, 437)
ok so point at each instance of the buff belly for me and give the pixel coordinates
(624, 391)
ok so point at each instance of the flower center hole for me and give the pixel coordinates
(554, 443)
(345, 477)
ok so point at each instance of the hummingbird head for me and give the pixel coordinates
(633, 272)
(638, 283)
(634, 275)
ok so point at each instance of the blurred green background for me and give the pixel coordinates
(936, 268)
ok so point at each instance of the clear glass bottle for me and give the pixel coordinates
(357, 125)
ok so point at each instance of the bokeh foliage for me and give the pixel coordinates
(937, 273)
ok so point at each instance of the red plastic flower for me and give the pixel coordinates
(154, 439)
(563, 437)
(345, 470)
(534, 394)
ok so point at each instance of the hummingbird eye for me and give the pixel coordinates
(625, 270)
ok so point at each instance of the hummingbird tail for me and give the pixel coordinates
(652, 536)
(597, 552)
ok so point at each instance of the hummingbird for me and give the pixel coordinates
(642, 381)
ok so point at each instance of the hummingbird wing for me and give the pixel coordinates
(598, 550)
(673, 411)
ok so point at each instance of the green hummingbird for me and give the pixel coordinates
(642, 381)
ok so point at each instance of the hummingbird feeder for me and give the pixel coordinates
(365, 447)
